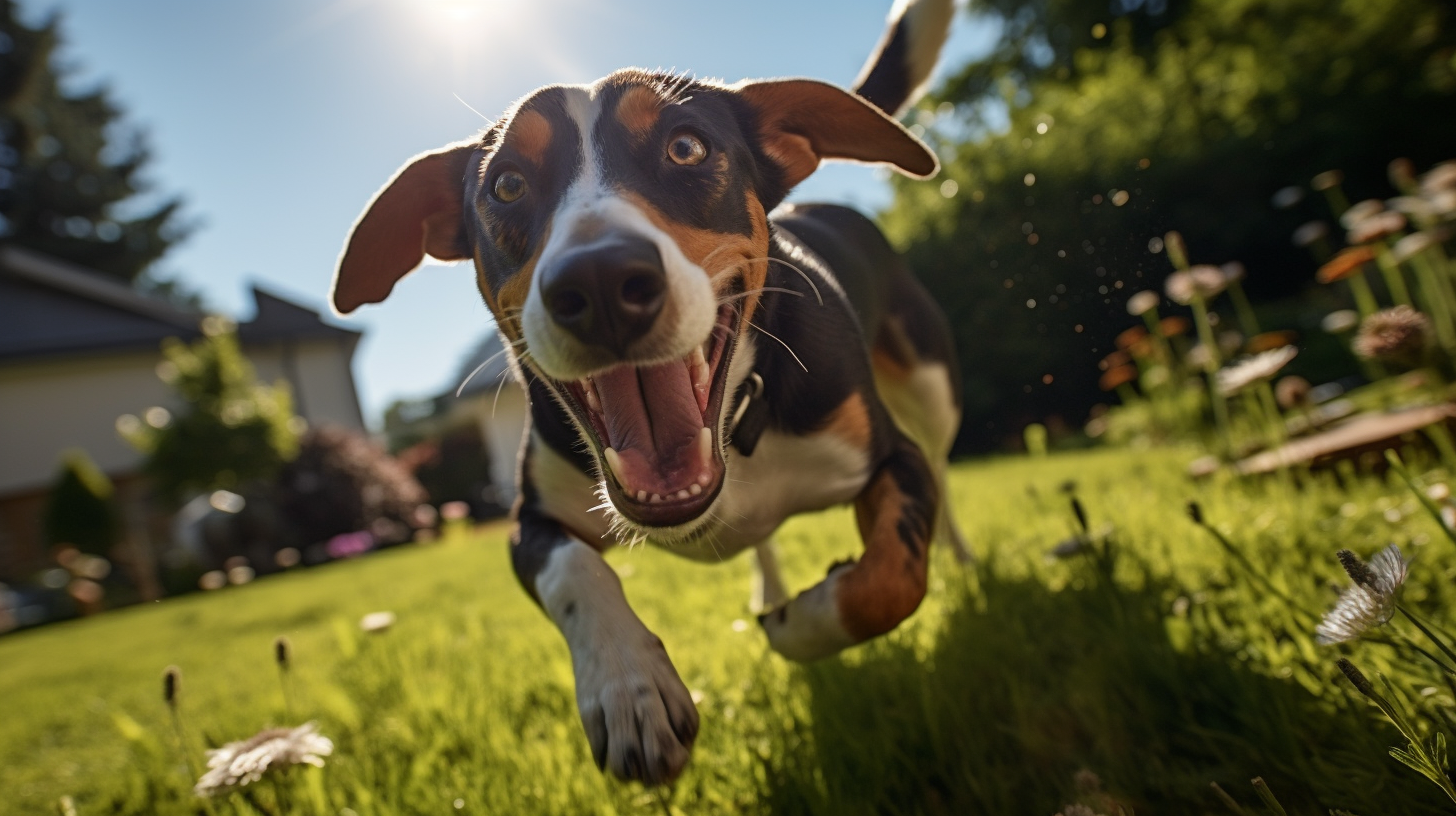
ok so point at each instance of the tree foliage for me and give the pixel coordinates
(1086, 134)
(80, 509)
(68, 164)
(230, 430)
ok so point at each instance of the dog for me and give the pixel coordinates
(698, 370)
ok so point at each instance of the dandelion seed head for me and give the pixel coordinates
(1370, 602)
(246, 761)
(1396, 335)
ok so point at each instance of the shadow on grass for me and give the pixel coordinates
(1026, 686)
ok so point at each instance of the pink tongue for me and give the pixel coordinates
(653, 423)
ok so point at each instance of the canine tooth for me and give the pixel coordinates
(682, 494)
(642, 495)
(655, 498)
(592, 401)
(614, 462)
(695, 488)
(701, 376)
(705, 444)
(704, 479)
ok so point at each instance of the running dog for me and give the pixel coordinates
(698, 370)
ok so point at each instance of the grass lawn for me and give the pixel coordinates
(1156, 661)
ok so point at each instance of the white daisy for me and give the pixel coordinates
(1258, 368)
(240, 763)
(1202, 282)
(1370, 600)
(377, 621)
(1142, 302)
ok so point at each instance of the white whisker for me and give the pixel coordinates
(782, 343)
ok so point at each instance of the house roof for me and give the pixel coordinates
(49, 307)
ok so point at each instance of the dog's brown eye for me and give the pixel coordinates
(509, 186)
(686, 148)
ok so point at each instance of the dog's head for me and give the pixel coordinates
(620, 238)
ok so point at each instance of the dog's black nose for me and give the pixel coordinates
(607, 293)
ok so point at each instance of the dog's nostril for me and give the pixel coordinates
(642, 291)
(568, 304)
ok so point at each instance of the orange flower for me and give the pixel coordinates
(1114, 360)
(1129, 338)
(1173, 326)
(1345, 264)
(1121, 375)
(1269, 341)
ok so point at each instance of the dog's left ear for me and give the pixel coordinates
(803, 121)
(417, 212)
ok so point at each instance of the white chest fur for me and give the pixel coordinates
(786, 475)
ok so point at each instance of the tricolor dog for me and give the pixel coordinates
(698, 369)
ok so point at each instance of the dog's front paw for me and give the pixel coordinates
(639, 717)
(808, 627)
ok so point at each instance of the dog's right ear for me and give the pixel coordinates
(417, 212)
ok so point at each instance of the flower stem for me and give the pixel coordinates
(1398, 466)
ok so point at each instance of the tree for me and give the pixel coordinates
(1086, 134)
(230, 431)
(80, 510)
(67, 161)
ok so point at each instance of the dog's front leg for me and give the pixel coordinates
(858, 600)
(639, 717)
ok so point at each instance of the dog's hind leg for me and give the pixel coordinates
(947, 531)
(769, 591)
(858, 600)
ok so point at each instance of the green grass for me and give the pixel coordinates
(1160, 666)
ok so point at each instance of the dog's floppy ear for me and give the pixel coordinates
(415, 213)
(802, 121)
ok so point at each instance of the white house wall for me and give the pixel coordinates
(47, 408)
(322, 386)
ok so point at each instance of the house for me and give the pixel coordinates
(78, 350)
(482, 415)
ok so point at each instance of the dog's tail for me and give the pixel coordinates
(900, 67)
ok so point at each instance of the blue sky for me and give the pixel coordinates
(278, 119)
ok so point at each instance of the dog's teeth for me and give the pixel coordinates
(614, 463)
(705, 445)
(705, 478)
(592, 401)
(655, 498)
(695, 488)
(701, 376)
(682, 494)
(642, 495)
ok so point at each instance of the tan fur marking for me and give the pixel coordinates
(722, 255)
(892, 354)
(851, 422)
(638, 111)
(530, 133)
(887, 584)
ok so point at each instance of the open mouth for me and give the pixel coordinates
(656, 428)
